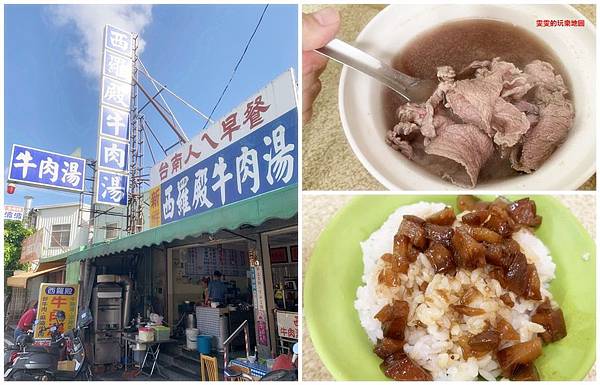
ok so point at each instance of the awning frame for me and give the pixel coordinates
(281, 203)
(20, 280)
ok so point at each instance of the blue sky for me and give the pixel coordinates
(51, 97)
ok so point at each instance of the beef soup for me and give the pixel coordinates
(527, 104)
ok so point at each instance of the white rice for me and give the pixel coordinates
(437, 349)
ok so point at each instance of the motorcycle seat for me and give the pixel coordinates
(37, 349)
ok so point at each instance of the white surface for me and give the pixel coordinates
(360, 97)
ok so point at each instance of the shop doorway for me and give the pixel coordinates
(280, 259)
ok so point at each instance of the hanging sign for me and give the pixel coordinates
(41, 168)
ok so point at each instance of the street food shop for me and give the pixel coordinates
(223, 207)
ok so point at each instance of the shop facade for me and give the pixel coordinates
(163, 271)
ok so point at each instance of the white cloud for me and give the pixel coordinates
(89, 21)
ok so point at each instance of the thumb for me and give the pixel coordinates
(319, 28)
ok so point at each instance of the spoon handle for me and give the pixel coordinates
(353, 57)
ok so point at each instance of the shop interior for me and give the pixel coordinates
(168, 287)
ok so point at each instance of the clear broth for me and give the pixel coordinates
(458, 44)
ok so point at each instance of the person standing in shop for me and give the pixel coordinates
(217, 289)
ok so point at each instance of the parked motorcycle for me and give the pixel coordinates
(40, 363)
(21, 343)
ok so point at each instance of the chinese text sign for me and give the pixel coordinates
(54, 297)
(13, 213)
(42, 168)
(287, 324)
(251, 151)
(258, 163)
(113, 128)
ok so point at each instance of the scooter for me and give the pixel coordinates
(21, 343)
(40, 363)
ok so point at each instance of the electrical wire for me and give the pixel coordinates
(237, 65)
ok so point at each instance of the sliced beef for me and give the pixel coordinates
(490, 112)
(473, 100)
(466, 145)
(428, 129)
(509, 123)
(398, 143)
(531, 111)
(541, 140)
(541, 74)
(515, 84)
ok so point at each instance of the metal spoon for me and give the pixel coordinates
(412, 89)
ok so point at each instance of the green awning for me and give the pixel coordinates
(58, 257)
(281, 204)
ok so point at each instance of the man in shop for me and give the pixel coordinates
(26, 321)
(217, 288)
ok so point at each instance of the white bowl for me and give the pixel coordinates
(360, 97)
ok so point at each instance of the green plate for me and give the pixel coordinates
(335, 271)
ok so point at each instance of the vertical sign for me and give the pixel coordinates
(55, 297)
(112, 176)
(260, 306)
(154, 206)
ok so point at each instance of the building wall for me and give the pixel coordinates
(47, 216)
(60, 215)
(101, 222)
(159, 278)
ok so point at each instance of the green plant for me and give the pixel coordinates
(14, 234)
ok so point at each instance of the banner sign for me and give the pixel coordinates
(41, 168)
(31, 247)
(54, 297)
(252, 151)
(112, 180)
(257, 281)
(13, 213)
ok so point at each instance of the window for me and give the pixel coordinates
(112, 231)
(61, 235)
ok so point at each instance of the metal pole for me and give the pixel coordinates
(155, 82)
(92, 165)
(180, 134)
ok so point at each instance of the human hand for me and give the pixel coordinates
(318, 29)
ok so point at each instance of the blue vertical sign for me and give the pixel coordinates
(112, 180)
(118, 40)
(114, 123)
(113, 155)
(111, 188)
(40, 168)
